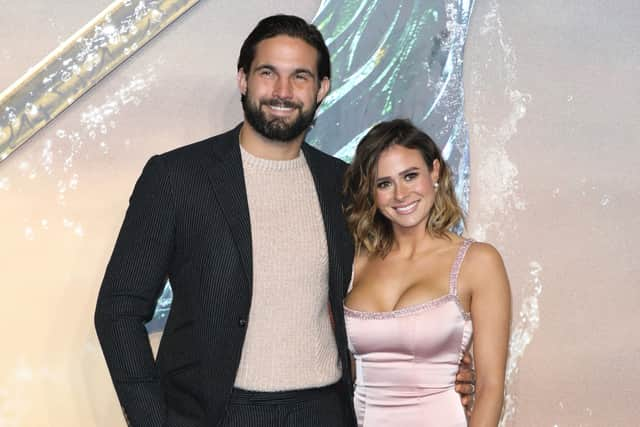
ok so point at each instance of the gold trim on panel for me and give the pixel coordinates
(78, 64)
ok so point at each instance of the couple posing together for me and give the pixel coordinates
(258, 232)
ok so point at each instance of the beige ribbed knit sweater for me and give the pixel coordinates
(290, 342)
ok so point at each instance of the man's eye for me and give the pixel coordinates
(265, 73)
(302, 77)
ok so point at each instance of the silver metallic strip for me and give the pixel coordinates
(78, 64)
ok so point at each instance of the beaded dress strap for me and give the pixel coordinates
(455, 268)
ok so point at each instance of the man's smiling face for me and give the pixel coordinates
(281, 92)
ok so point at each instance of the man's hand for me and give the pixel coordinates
(466, 383)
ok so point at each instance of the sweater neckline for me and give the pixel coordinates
(255, 162)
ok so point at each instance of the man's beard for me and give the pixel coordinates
(277, 129)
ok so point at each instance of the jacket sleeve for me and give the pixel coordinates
(134, 278)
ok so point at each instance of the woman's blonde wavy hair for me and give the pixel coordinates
(369, 228)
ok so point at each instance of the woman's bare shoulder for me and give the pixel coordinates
(483, 251)
(483, 262)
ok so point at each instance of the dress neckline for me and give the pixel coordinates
(408, 310)
(426, 305)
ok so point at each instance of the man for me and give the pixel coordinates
(248, 227)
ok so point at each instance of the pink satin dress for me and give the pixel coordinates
(407, 360)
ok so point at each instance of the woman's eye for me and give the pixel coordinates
(384, 184)
(410, 176)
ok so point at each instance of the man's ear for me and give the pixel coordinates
(242, 81)
(325, 85)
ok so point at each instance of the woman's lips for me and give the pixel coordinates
(406, 209)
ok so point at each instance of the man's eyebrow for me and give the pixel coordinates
(265, 67)
(304, 71)
(271, 67)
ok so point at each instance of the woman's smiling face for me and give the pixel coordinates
(404, 187)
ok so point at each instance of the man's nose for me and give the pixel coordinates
(283, 89)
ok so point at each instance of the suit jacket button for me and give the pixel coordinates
(242, 323)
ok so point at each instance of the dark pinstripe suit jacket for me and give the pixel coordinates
(188, 220)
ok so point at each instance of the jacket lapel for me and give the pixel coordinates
(224, 169)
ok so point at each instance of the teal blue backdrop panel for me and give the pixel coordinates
(395, 59)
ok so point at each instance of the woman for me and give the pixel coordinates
(419, 289)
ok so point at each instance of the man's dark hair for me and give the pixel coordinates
(286, 25)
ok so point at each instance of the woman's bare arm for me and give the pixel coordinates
(487, 280)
